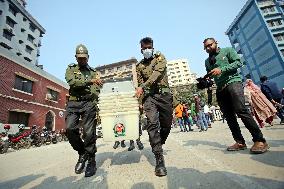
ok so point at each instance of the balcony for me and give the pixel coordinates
(9, 29)
(273, 13)
(267, 3)
(280, 43)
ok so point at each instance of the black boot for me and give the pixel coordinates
(116, 144)
(131, 147)
(91, 167)
(81, 163)
(160, 169)
(123, 144)
(139, 144)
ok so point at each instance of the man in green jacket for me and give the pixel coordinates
(222, 64)
(84, 90)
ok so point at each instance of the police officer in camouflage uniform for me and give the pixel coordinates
(84, 89)
(157, 99)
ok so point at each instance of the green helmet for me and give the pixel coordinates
(81, 51)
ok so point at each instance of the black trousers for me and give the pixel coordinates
(231, 101)
(87, 111)
(159, 110)
(280, 112)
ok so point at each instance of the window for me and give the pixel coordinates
(5, 46)
(129, 66)
(109, 70)
(23, 84)
(10, 22)
(119, 68)
(29, 49)
(13, 10)
(32, 28)
(23, 30)
(7, 35)
(273, 23)
(271, 9)
(1, 12)
(25, 19)
(52, 95)
(19, 118)
(27, 59)
(20, 41)
(30, 38)
(282, 52)
(102, 72)
(279, 37)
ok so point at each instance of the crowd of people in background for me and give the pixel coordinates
(198, 113)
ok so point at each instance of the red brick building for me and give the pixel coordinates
(31, 96)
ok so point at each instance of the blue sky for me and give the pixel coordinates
(111, 29)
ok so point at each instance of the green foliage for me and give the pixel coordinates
(186, 94)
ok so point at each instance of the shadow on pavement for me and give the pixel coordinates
(102, 157)
(275, 143)
(206, 143)
(192, 178)
(21, 181)
(126, 157)
(143, 185)
(97, 181)
(274, 158)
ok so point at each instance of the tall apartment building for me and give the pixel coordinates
(257, 34)
(20, 32)
(179, 73)
(122, 69)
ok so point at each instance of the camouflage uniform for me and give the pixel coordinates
(157, 99)
(82, 102)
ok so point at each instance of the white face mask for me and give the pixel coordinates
(147, 53)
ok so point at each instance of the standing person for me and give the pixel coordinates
(207, 115)
(178, 113)
(212, 113)
(273, 94)
(222, 64)
(262, 108)
(199, 108)
(84, 91)
(157, 99)
(185, 117)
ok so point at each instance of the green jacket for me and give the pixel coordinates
(152, 75)
(228, 61)
(79, 80)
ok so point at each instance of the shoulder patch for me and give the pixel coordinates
(157, 53)
(72, 65)
(93, 69)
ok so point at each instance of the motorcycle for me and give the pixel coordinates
(53, 137)
(45, 137)
(19, 140)
(35, 136)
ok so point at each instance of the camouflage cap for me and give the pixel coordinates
(81, 51)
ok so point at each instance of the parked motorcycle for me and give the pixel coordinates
(35, 136)
(53, 137)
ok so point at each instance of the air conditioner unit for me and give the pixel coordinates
(48, 96)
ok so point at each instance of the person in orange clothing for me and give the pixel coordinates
(178, 113)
